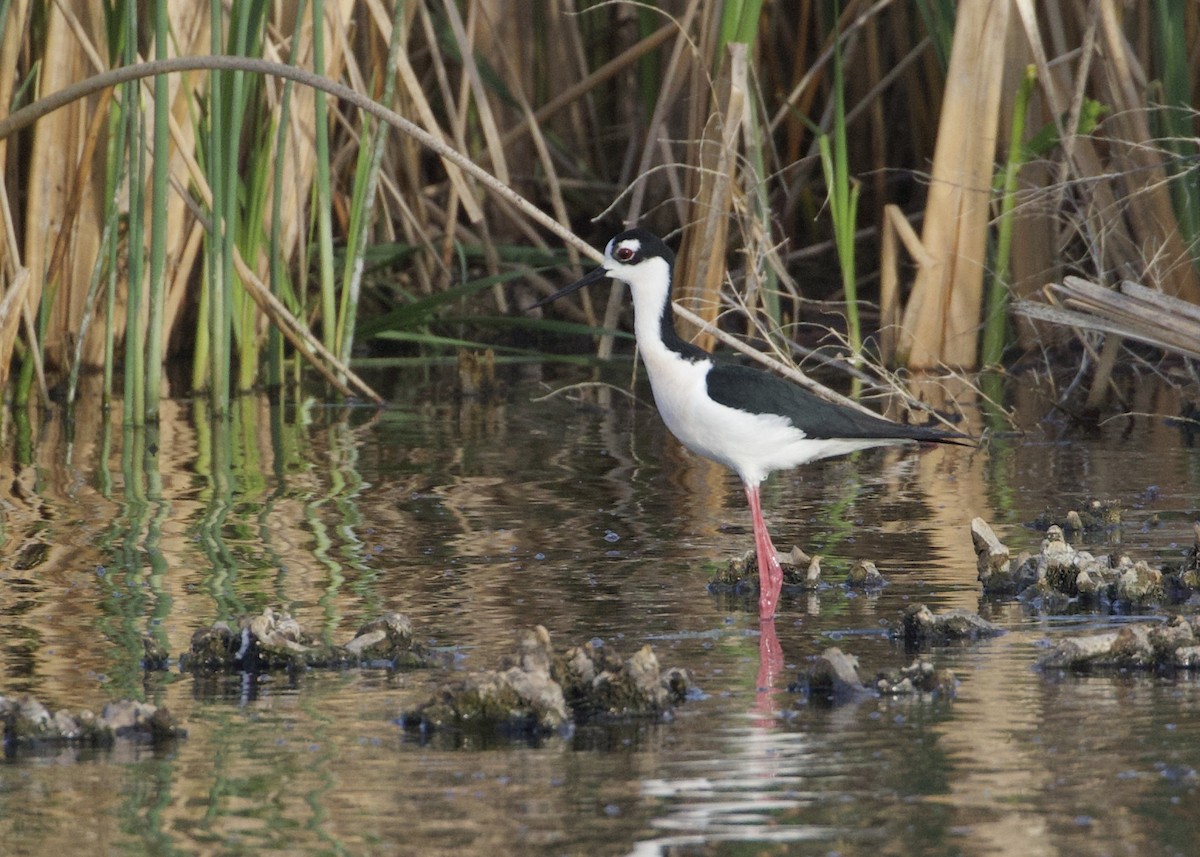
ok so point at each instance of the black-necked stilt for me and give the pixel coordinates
(747, 419)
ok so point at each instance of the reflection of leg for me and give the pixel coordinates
(770, 573)
(770, 667)
(770, 655)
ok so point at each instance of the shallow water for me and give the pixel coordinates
(579, 513)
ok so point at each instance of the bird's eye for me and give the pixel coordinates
(624, 254)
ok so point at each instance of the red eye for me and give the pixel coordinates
(624, 254)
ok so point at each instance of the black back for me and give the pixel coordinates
(757, 391)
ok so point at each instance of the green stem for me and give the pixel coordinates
(995, 330)
(843, 203)
(158, 222)
(324, 195)
(134, 404)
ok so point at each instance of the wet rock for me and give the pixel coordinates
(918, 677)
(212, 648)
(273, 640)
(1060, 577)
(29, 724)
(1140, 583)
(154, 654)
(128, 718)
(597, 683)
(521, 698)
(538, 692)
(811, 566)
(389, 639)
(1171, 645)
(1181, 582)
(864, 575)
(740, 575)
(992, 559)
(833, 677)
(921, 626)
(277, 638)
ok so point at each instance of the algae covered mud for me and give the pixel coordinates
(305, 599)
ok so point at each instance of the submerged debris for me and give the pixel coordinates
(1059, 575)
(740, 576)
(1171, 645)
(29, 724)
(538, 692)
(154, 654)
(921, 626)
(1094, 516)
(833, 677)
(918, 677)
(273, 640)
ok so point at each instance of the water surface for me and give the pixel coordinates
(579, 513)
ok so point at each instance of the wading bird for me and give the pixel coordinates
(747, 419)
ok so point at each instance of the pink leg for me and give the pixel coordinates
(770, 573)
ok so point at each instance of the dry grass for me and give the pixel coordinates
(630, 114)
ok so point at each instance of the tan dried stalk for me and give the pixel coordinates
(941, 320)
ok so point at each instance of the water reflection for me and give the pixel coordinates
(578, 512)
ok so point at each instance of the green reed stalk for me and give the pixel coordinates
(938, 17)
(995, 328)
(247, 186)
(1177, 117)
(158, 222)
(739, 23)
(274, 252)
(219, 265)
(134, 401)
(366, 179)
(323, 202)
(843, 203)
(115, 171)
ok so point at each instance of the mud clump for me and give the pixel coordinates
(864, 575)
(740, 576)
(28, 724)
(918, 677)
(920, 626)
(833, 678)
(1059, 576)
(537, 691)
(273, 640)
(1168, 646)
(1092, 516)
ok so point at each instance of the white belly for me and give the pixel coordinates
(752, 445)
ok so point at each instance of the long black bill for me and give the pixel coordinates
(588, 279)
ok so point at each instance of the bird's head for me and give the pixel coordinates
(636, 257)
